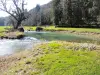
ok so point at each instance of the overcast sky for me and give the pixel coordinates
(30, 4)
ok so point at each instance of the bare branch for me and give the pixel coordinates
(16, 10)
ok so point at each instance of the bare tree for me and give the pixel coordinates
(16, 9)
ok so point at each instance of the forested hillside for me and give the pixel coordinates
(66, 13)
(41, 15)
(77, 13)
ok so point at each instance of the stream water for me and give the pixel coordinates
(12, 46)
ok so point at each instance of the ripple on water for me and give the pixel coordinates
(11, 46)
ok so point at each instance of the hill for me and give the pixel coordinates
(46, 15)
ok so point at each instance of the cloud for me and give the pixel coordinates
(32, 3)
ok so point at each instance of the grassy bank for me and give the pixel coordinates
(4, 28)
(88, 32)
(58, 58)
(52, 28)
(94, 32)
(5, 33)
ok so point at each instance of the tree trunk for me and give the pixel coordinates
(17, 25)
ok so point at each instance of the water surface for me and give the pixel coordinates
(12, 46)
(32, 38)
(50, 36)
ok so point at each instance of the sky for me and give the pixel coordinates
(30, 4)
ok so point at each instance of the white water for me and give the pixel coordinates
(11, 46)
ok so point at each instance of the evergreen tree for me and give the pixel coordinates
(57, 11)
(38, 14)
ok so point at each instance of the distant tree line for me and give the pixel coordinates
(77, 13)
(2, 19)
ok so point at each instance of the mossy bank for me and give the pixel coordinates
(55, 58)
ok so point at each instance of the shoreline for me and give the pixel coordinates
(93, 34)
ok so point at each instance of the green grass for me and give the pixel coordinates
(69, 63)
(58, 58)
(2, 28)
(6, 28)
(52, 28)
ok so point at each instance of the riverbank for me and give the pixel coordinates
(52, 28)
(56, 57)
(12, 35)
(7, 33)
(94, 32)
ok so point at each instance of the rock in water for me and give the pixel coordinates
(39, 29)
(20, 36)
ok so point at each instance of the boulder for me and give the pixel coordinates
(39, 29)
(21, 29)
(20, 36)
